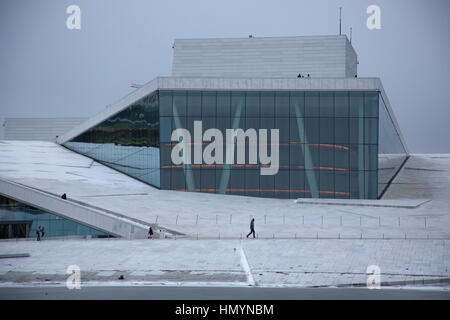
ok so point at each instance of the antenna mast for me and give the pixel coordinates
(340, 20)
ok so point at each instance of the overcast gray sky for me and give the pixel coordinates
(47, 70)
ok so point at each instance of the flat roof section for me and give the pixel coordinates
(265, 57)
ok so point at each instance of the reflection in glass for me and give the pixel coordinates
(328, 147)
(129, 141)
(18, 220)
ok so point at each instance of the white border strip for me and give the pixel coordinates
(246, 267)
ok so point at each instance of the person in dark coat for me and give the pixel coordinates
(38, 233)
(252, 228)
(150, 233)
(42, 232)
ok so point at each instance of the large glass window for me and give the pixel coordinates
(328, 142)
(312, 104)
(130, 140)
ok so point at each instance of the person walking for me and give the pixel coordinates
(252, 228)
(42, 232)
(38, 233)
(150, 233)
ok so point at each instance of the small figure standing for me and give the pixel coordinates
(42, 232)
(38, 233)
(150, 233)
(252, 228)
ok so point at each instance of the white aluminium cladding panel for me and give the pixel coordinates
(205, 83)
(351, 60)
(266, 57)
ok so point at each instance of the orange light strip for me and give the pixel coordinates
(267, 190)
(325, 145)
(221, 165)
(251, 166)
(331, 169)
(336, 146)
(225, 143)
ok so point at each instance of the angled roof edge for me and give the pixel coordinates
(218, 83)
(109, 111)
(394, 119)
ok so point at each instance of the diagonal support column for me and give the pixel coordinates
(225, 178)
(309, 165)
(190, 182)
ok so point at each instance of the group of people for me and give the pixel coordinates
(40, 232)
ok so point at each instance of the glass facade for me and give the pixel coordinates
(327, 142)
(331, 144)
(18, 220)
(391, 152)
(127, 142)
